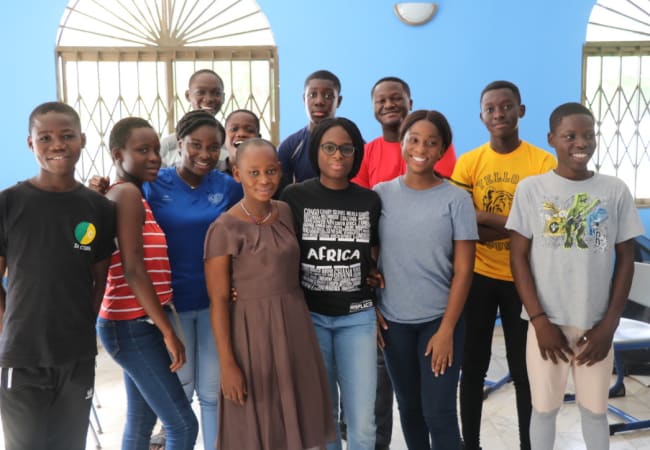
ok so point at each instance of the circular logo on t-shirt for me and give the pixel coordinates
(85, 233)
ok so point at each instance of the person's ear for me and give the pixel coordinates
(116, 154)
(522, 111)
(30, 143)
(410, 104)
(338, 103)
(235, 173)
(83, 140)
(187, 96)
(549, 138)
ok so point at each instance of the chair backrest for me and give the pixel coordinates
(640, 290)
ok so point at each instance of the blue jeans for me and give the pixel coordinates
(201, 371)
(427, 404)
(152, 390)
(348, 344)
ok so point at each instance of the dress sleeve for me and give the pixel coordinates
(221, 240)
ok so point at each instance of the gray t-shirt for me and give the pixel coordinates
(416, 233)
(574, 227)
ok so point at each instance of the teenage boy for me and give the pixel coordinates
(572, 255)
(205, 92)
(490, 174)
(321, 96)
(382, 157)
(56, 239)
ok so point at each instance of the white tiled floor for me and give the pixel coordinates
(499, 428)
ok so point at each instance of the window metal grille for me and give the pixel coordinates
(616, 88)
(119, 58)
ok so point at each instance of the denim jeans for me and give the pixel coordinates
(348, 344)
(201, 371)
(486, 296)
(152, 390)
(427, 404)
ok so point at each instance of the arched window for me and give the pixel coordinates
(616, 87)
(116, 59)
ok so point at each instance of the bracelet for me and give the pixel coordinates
(536, 316)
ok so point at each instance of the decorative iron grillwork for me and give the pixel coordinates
(117, 58)
(616, 88)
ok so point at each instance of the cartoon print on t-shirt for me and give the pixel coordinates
(497, 202)
(579, 221)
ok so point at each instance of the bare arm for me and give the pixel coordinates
(491, 227)
(552, 342)
(3, 293)
(130, 218)
(217, 276)
(597, 341)
(376, 279)
(100, 271)
(441, 344)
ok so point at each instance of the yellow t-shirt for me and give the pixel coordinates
(491, 179)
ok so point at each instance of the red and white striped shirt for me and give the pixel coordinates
(119, 302)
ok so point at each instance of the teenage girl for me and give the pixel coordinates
(427, 231)
(336, 223)
(185, 200)
(274, 385)
(132, 324)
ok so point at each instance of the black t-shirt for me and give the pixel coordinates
(336, 230)
(51, 241)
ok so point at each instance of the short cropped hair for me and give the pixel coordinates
(324, 75)
(350, 128)
(436, 118)
(567, 109)
(502, 84)
(245, 111)
(58, 107)
(195, 119)
(121, 131)
(404, 84)
(253, 142)
(201, 72)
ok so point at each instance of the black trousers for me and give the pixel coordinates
(47, 408)
(485, 297)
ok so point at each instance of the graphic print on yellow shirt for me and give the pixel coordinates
(491, 179)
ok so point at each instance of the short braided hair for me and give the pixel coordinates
(195, 119)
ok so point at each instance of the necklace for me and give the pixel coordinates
(191, 186)
(256, 220)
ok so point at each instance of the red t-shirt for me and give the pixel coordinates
(382, 161)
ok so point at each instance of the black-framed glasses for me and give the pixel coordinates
(330, 148)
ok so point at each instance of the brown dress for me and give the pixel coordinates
(288, 405)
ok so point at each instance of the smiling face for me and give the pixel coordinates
(321, 100)
(500, 112)
(391, 104)
(206, 93)
(240, 126)
(140, 156)
(200, 151)
(574, 141)
(335, 168)
(56, 140)
(422, 147)
(258, 170)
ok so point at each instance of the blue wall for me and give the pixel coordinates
(447, 61)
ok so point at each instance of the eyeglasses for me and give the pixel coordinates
(330, 149)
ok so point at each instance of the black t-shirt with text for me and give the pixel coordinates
(336, 230)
